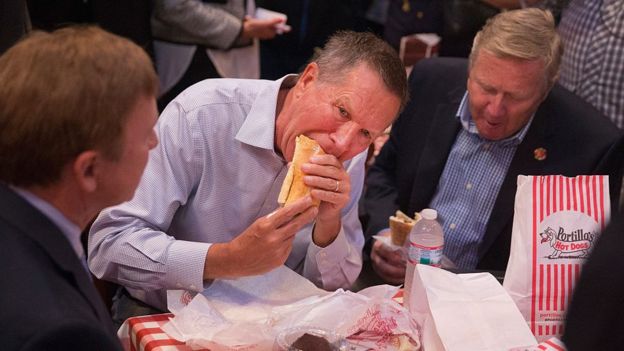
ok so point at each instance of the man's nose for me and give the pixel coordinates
(344, 138)
(496, 105)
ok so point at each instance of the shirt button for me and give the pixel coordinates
(323, 254)
(419, 14)
(469, 186)
(453, 226)
(193, 287)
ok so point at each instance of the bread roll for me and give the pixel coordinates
(293, 187)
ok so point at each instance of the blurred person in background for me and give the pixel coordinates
(188, 32)
(455, 21)
(73, 140)
(129, 19)
(312, 23)
(471, 128)
(592, 32)
(592, 67)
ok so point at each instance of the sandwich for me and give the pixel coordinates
(400, 227)
(293, 187)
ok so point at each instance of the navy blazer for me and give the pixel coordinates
(47, 301)
(579, 140)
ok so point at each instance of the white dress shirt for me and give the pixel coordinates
(214, 172)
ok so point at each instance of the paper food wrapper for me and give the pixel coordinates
(464, 312)
(557, 221)
(248, 313)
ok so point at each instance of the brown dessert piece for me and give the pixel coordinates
(309, 342)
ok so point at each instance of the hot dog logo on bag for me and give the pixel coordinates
(577, 243)
(567, 234)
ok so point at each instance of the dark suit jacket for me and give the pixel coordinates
(578, 140)
(47, 301)
(594, 319)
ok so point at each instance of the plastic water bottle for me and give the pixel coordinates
(424, 246)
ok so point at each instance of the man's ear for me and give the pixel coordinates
(85, 169)
(307, 78)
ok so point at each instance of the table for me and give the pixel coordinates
(144, 333)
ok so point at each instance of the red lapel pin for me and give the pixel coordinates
(540, 154)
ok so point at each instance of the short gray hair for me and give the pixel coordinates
(527, 34)
(346, 49)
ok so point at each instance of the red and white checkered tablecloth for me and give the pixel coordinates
(144, 333)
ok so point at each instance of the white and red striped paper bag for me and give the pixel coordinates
(556, 223)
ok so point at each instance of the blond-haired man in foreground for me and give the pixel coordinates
(77, 111)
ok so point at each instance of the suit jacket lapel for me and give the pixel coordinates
(440, 139)
(14, 209)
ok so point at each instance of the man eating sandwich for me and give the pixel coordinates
(207, 205)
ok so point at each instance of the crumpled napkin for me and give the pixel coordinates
(248, 313)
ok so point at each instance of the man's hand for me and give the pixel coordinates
(331, 184)
(263, 246)
(260, 28)
(387, 263)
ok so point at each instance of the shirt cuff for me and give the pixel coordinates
(185, 265)
(328, 257)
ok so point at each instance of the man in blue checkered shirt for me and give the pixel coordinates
(458, 148)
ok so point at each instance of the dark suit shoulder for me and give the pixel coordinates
(580, 139)
(448, 66)
(30, 278)
(573, 115)
(437, 75)
(39, 296)
(71, 335)
(436, 86)
(433, 83)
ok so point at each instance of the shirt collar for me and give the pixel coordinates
(69, 229)
(465, 118)
(259, 127)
